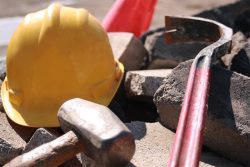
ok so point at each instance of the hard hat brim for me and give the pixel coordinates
(27, 118)
(46, 118)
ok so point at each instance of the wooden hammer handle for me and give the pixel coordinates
(50, 154)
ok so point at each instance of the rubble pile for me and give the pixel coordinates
(149, 100)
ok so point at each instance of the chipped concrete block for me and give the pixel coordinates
(11, 144)
(45, 135)
(3, 49)
(8, 151)
(41, 136)
(239, 41)
(144, 83)
(153, 145)
(241, 60)
(227, 125)
(128, 49)
(164, 55)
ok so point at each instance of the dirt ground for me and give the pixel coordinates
(99, 8)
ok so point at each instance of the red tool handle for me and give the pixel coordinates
(189, 136)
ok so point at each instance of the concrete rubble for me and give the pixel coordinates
(241, 59)
(41, 136)
(11, 144)
(143, 84)
(164, 55)
(128, 49)
(146, 92)
(227, 126)
(239, 42)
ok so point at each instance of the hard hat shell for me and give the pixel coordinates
(54, 55)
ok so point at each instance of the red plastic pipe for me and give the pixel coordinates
(130, 16)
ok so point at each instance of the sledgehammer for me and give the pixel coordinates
(91, 128)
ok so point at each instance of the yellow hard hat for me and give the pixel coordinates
(57, 54)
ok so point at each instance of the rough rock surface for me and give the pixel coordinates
(45, 135)
(235, 15)
(2, 60)
(239, 41)
(41, 136)
(143, 84)
(128, 49)
(153, 144)
(11, 144)
(241, 61)
(227, 126)
(164, 55)
(13, 137)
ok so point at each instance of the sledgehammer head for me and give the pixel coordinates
(106, 139)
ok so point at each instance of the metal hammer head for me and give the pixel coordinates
(106, 139)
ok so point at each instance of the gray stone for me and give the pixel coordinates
(8, 151)
(45, 135)
(41, 136)
(164, 55)
(241, 60)
(128, 49)
(2, 60)
(13, 137)
(153, 144)
(239, 41)
(11, 144)
(228, 123)
(144, 83)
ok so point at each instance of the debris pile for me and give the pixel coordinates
(147, 106)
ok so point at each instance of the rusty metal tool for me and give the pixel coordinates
(188, 141)
(92, 129)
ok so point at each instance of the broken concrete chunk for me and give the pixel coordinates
(41, 136)
(239, 58)
(8, 151)
(2, 60)
(238, 43)
(45, 135)
(153, 144)
(143, 84)
(241, 61)
(227, 125)
(164, 55)
(128, 49)
(11, 144)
